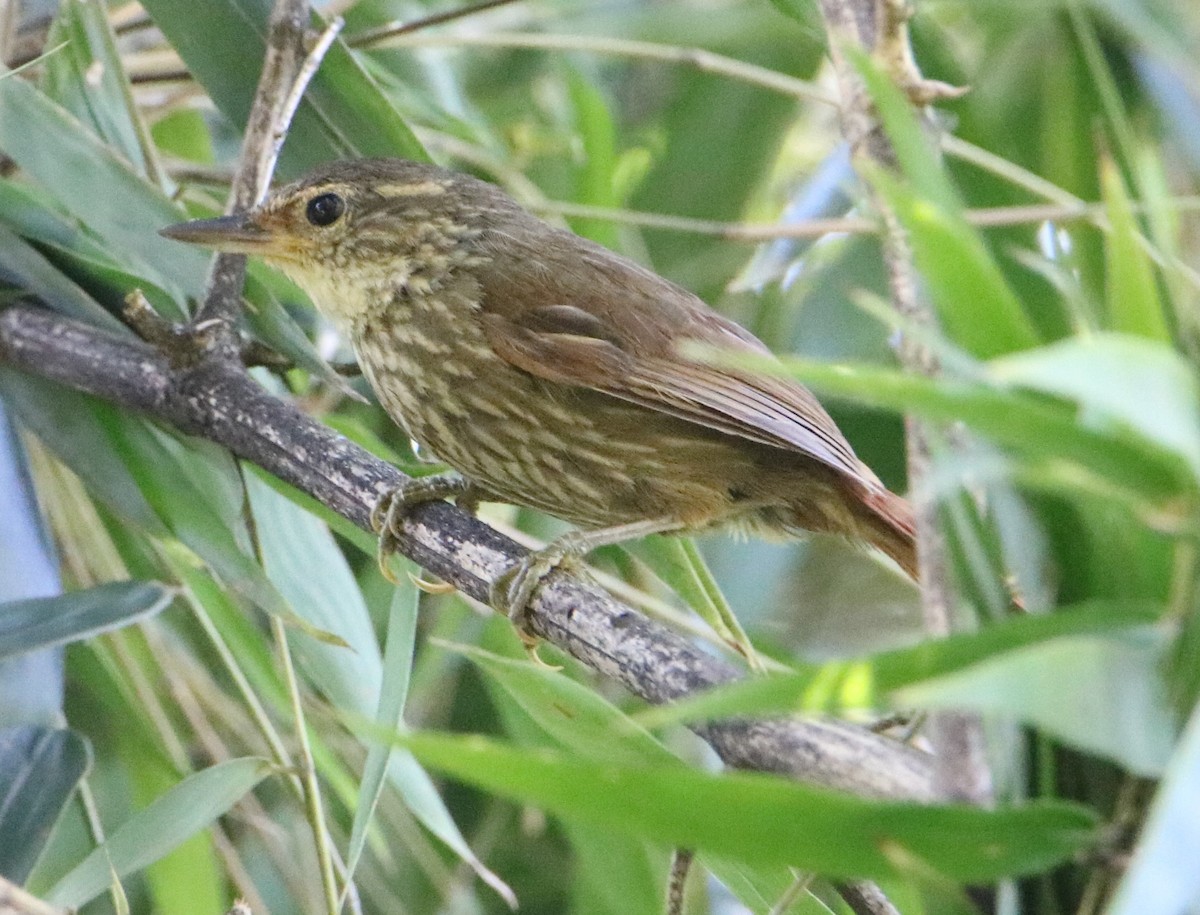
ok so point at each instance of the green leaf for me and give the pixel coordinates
(189, 488)
(614, 874)
(397, 671)
(189, 877)
(572, 717)
(1162, 876)
(974, 303)
(1090, 675)
(865, 683)
(88, 78)
(39, 769)
(762, 819)
(918, 160)
(932, 893)
(304, 562)
(594, 178)
(168, 821)
(570, 714)
(27, 267)
(26, 625)
(30, 212)
(1141, 470)
(344, 113)
(77, 428)
(977, 308)
(305, 566)
(129, 212)
(1113, 378)
(184, 134)
(195, 488)
(1104, 694)
(1134, 305)
(677, 562)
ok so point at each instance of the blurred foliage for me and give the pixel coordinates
(1070, 458)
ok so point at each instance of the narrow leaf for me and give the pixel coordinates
(168, 821)
(88, 77)
(26, 625)
(1102, 694)
(23, 265)
(1134, 305)
(678, 563)
(397, 671)
(130, 211)
(1162, 876)
(574, 717)
(1028, 424)
(39, 769)
(763, 819)
(977, 307)
(865, 683)
(1113, 377)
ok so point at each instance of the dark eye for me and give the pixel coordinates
(325, 209)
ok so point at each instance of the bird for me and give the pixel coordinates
(550, 372)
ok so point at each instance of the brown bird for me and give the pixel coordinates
(549, 371)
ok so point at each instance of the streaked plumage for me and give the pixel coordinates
(548, 370)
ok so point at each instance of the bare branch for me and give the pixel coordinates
(217, 400)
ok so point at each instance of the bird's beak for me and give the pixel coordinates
(238, 234)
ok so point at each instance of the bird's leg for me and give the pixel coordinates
(389, 511)
(512, 591)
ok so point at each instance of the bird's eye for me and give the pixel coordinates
(325, 209)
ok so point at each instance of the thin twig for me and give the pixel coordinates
(1068, 210)
(308, 69)
(287, 68)
(798, 888)
(308, 771)
(374, 37)
(700, 59)
(865, 898)
(681, 866)
(750, 233)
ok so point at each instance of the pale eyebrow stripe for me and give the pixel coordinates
(424, 188)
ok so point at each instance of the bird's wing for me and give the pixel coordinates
(573, 346)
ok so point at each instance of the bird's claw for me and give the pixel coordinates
(389, 510)
(431, 587)
(512, 591)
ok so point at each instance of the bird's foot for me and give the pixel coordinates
(388, 512)
(512, 592)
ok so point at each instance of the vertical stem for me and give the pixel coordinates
(308, 773)
(880, 27)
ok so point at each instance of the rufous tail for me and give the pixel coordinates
(892, 529)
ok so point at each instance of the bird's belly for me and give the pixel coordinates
(577, 454)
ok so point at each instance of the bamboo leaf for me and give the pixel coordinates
(27, 625)
(168, 821)
(764, 819)
(39, 769)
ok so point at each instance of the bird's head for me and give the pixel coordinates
(350, 228)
